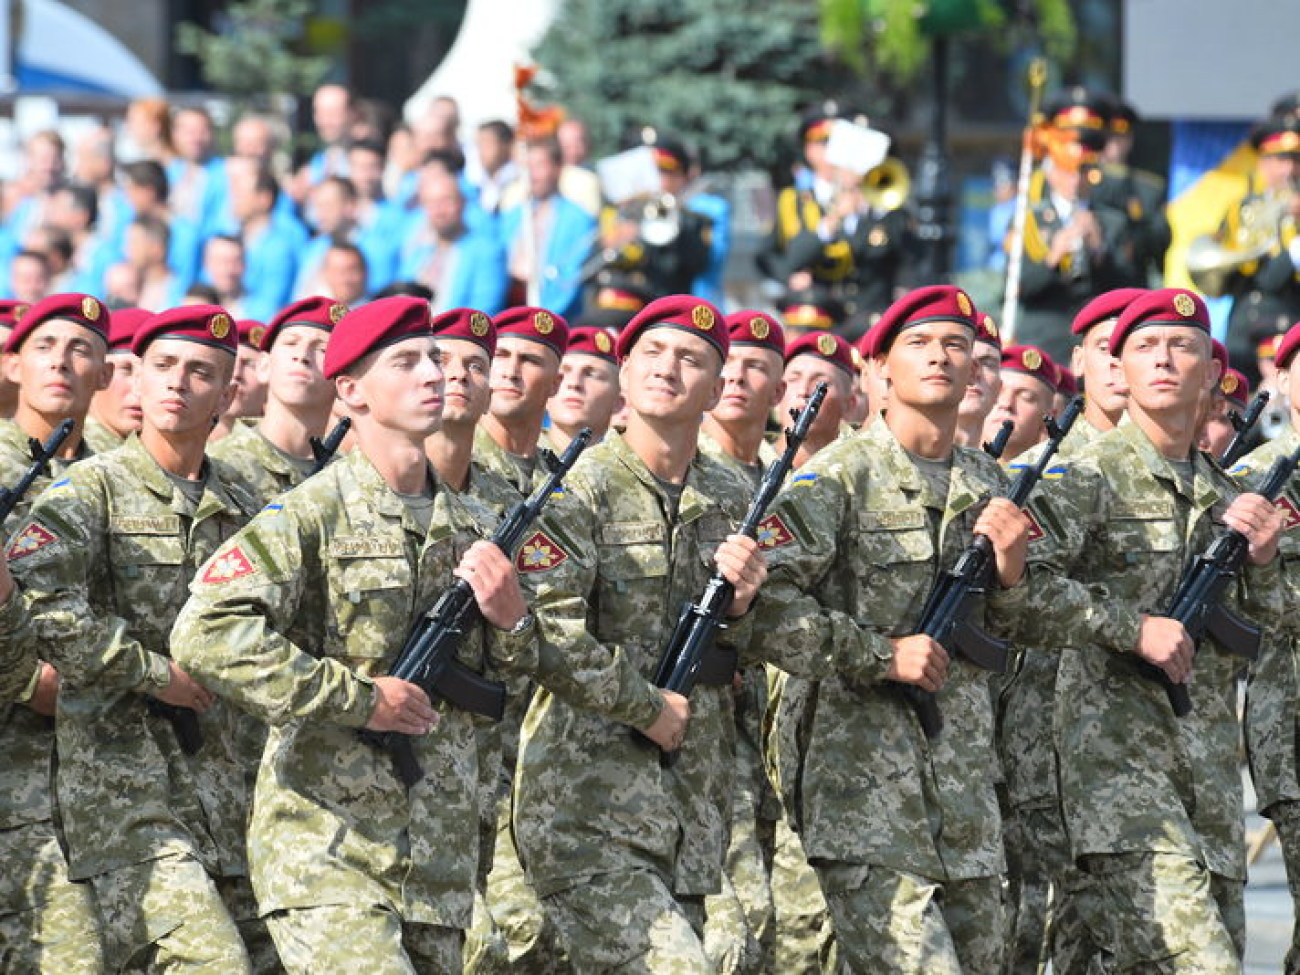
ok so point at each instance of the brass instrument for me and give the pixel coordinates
(1212, 262)
(657, 217)
(887, 186)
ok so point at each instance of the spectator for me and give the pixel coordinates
(334, 203)
(462, 267)
(75, 212)
(271, 241)
(121, 286)
(147, 241)
(94, 165)
(146, 187)
(331, 113)
(495, 170)
(402, 169)
(255, 137)
(224, 268)
(43, 174)
(577, 180)
(343, 274)
(56, 247)
(196, 176)
(379, 222)
(147, 133)
(29, 276)
(547, 250)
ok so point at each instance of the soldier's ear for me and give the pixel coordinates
(105, 375)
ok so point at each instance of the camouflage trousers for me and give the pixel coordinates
(167, 915)
(630, 923)
(805, 939)
(1286, 817)
(237, 894)
(340, 939)
(740, 921)
(887, 921)
(1166, 913)
(47, 921)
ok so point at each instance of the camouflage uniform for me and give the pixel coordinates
(104, 560)
(292, 619)
(98, 437)
(621, 850)
(1273, 690)
(267, 471)
(490, 456)
(904, 833)
(1153, 803)
(47, 922)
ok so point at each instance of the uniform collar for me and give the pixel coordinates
(965, 486)
(693, 504)
(216, 494)
(1204, 492)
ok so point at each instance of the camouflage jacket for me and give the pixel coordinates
(264, 469)
(490, 456)
(100, 438)
(28, 737)
(291, 620)
(590, 796)
(1115, 533)
(857, 540)
(18, 660)
(1273, 686)
(104, 561)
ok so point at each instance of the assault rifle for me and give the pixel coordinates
(945, 618)
(323, 451)
(41, 454)
(1243, 425)
(1198, 601)
(428, 659)
(996, 447)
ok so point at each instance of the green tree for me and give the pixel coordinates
(729, 76)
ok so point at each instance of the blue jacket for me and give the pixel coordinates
(271, 265)
(709, 284)
(572, 235)
(478, 277)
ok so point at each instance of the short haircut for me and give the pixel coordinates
(500, 129)
(156, 229)
(347, 247)
(408, 289)
(147, 174)
(83, 198)
(551, 146)
(344, 185)
(204, 293)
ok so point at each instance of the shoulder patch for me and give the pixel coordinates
(274, 506)
(773, 533)
(1290, 514)
(1240, 470)
(32, 539)
(228, 566)
(539, 553)
(1036, 532)
(1055, 472)
(806, 478)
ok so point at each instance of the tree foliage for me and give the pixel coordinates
(729, 76)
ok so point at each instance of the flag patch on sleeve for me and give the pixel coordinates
(227, 566)
(539, 553)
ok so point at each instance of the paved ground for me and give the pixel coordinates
(1268, 910)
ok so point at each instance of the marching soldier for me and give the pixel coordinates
(809, 360)
(589, 394)
(55, 358)
(622, 849)
(103, 559)
(10, 309)
(1152, 802)
(903, 831)
(1136, 192)
(250, 391)
(735, 430)
(115, 409)
(298, 617)
(986, 384)
(1232, 393)
(1027, 394)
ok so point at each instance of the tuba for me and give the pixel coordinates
(887, 186)
(1212, 262)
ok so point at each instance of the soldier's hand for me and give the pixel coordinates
(669, 729)
(1164, 642)
(46, 697)
(184, 691)
(1085, 222)
(741, 563)
(1259, 521)
(1007, 528)
(401, 706)
(919, 660)
(491, 575)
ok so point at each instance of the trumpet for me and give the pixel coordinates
(1211, 262)
(887, 186)
(657, 216)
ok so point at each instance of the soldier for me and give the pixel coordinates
(1232, 393)
(298, 617)
(986, 383)
(115, 409)
(621, 847)
(20, 674)
(525, 375)
(1152, 802)
(903, 831)
(809, 360)
(55, 359)
(250, 391)
(10, 309)
(276, 454)
(1272, 690)
(589, 395)
(1028, 393)
(103, 560)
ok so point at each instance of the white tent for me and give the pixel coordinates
(62, 51)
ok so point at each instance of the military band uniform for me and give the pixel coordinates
(622, 851)
(1141, 196)
(292, 619)
(47, 922)
(904, 833)
(104, 559)
(1153, 803)
(1273, 689)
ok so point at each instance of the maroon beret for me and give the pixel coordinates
(1107, 305)
(751, 327)
(685, 312)
(1234, 386)
(468, 324)
(823, 345)
(11, 310)
(1167, 306)
(986, 330)
(933, 303)
(1067, 383)
(205, 324)
(537, 324)
(1219, 352)
(316, 311)
(591, 341)
(374, 326)
(1286, 348)
(123, 323)
(72, 307)
(1032, 361)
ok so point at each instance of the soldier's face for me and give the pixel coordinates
(58, 368)
(930, 365)
(1100, 370)
(525, 374)
(1289, 380)
(1023, 400)
(1217, 431)
(985, 384)
(183, 386)
(291, 368)
(802, 376)
(249, 396)
(671, 375)
(399, 390)
(588, 394)
(466, 370)
(117, 406)
(1168, 369)
(752, 385)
